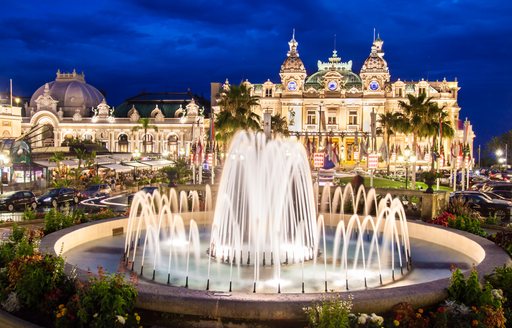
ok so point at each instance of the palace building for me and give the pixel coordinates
(69, 108)
(334, 107)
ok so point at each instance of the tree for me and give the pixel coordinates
(145, 125)
(443, 128)
(389, 123)
(417, 119)
(84, 157)
(497, 142)
(180, 173)
(235, 114)
(57, 158)
(279, 125)
(238, 96)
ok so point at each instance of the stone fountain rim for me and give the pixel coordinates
(284, 306)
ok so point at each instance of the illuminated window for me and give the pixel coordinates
(352, 117)
(311, 117)
(331, 118)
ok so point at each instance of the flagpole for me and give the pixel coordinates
(10, 88)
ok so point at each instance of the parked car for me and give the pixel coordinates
(494, 195)
(147, 189)
(17, 200)
(97, 190)
(57, 196)
(484, 204)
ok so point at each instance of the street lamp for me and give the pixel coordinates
(407, 158)
(499, 159)
(4, 159)
(136, 154)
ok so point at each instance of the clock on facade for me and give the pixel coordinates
(374, 85)
(292, 85)
(332, 85)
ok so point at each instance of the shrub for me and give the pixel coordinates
(467, 223)
(504, 240)
(459, 207)
(363, 320)
(404, 315)
(20, 243)
(443, 219)
(104, 213)
(501, 278)
(55, 220)
(470, 292)
(29, 214)
(332, 312)
(108, 301)
(39, 281)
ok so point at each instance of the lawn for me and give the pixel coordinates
(388, 183)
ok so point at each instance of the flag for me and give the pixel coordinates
(364, 149)
(200, 152)
(383, 150)
(356, 140)
(336, 157)
(212, 132)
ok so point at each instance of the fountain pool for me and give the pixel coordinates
(273, 243)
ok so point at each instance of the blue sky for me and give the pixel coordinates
(128, 46)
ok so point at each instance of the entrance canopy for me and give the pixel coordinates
(117, 167)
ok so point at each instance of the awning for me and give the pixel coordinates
(71, 163)
(100, 160)
(121, 157)
(136, 164)
(158, 163)
(46, 164)
(117, 167)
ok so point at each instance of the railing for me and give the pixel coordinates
(418, 204)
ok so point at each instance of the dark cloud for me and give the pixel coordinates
(126, 46)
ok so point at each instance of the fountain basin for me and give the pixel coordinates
(285, 306)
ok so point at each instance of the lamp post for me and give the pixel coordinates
(4, 159)
(320, 125)
(135, 155)
(500, 159)
(407, 158)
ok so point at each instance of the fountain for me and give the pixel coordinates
(273, 244)
(266, 230)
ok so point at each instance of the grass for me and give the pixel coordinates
(387, 183)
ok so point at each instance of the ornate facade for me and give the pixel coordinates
(335, 107)
(70, 108)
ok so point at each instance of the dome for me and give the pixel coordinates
(72, 92)
(292, 64)
(350, 79)
(374, 62)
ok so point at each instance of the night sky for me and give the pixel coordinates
(128, 46)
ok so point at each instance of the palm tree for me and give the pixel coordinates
(441, 127)
(145, 125)
(416, 118)
(389, 123)
(57, 158)
(235, 114)
(279, 125)
(238, 96)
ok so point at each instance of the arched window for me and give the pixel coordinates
(122, 143)
(172, 146)
(147, 143)
(47, 136)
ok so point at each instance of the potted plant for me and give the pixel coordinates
(429, 177)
